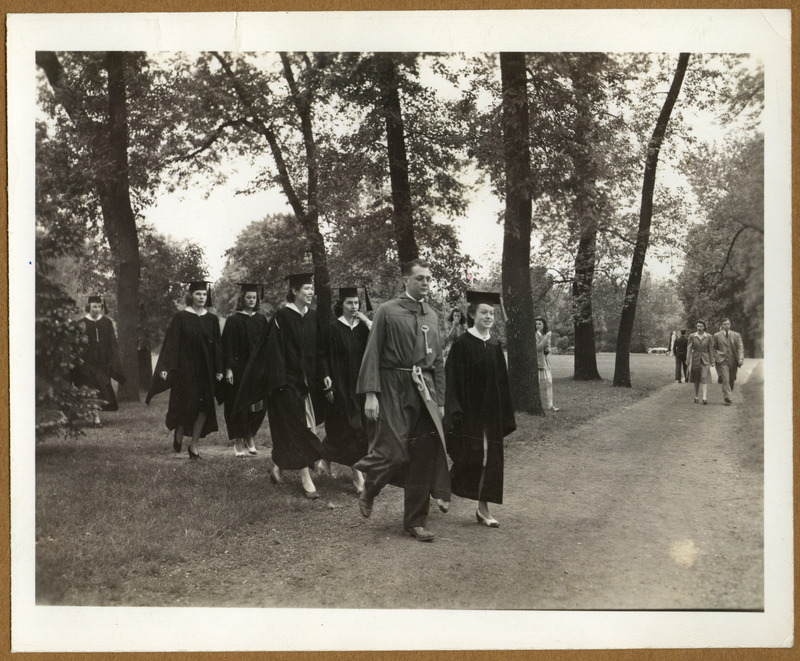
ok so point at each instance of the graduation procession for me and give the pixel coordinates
(398, 330)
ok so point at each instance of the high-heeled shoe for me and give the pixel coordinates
(177, 443)
(705, 401)
(311, 495)
(553, 408)
(237, 449)
(193, 455)
(275, 476)
(251, 448)
(488, 522)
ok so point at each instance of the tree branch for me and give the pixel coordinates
(210, 140)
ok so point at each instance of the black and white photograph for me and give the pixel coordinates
(400, 330)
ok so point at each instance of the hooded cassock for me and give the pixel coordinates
(345, 423)
(288, 365)
(405, 335)
(192, 356)
(479, 414)
(100, 360)
(239, 338)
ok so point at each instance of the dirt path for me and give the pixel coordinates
(657, 506)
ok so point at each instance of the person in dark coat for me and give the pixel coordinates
(288, 365)
(402, 376)
(98, 362)
(478, 409)
(242, 331)
(190, 367)
(345, 424)
(679, 350)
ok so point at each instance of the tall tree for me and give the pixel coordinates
(522, 368)
(402, 218)
(622, 373)
(104, 137)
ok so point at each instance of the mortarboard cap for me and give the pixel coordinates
(488, 297)
(297, 280)
(250, 286)
(347, 292)
(94, 299)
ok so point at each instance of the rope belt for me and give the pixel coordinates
(425, 393)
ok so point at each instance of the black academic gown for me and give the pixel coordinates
(239, 337)
(478, 402)
(192, 356)
(293, 352)
(99, 360)
(345, 423)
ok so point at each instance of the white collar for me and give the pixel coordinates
(422, 300)
(199, 314)
(346, 323)
(91, 318)
(475, 333)
(247, 312)
(292, 306)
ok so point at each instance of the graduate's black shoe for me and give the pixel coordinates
(443, 505)
(705, 401)
(177, 442)
(420, 534)
(193, 455)
(728, 402)
(365, 505)
(311, 495)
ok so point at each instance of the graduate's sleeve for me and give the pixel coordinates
(369, 376)
(114, 366)
(217, 340)
(323, 349)
(227, 342)
(506, 403)
(439, 378)
(275, 355)
(167, 361)
(454, 381)
(253, 387)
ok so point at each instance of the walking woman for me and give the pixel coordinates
(288, 365)
(190, 366)
(543, 360)
(478, 409)
(700, 360)
(240, 335)
(345, 423)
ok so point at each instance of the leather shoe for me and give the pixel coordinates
(443, 505)
(491, 522)
(365, 505)
(728, 402)
(420, 534)
(311, 495)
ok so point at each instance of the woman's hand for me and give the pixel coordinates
(371, 406)
(219, 376)
(164, 374)
(229, 376)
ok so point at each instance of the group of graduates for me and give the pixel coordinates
(392, 409)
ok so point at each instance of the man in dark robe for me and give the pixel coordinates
(99, 360)
(345, 424)
(242, 331)
(288, 365)
(402, 376)
(478, 412)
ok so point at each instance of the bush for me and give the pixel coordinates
(60, 406)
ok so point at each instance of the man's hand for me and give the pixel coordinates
(441, 412)
(371, 407)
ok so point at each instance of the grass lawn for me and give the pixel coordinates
(122, 520)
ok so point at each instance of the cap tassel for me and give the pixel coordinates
(503, 310)
(367, 304)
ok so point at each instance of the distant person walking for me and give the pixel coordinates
(478, 410)
(679, 350)
(543, 360)
(700, 360)
(402, 376)
(190, 367)
(458, 327)
(242, 331)
(729, 356)
(98, 361)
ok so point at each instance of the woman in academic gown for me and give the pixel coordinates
(345, 424)
(242, 331)
(478, 409)
(294, 383)
(190, 367)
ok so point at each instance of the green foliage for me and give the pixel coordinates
(724, 271)
(60, 406)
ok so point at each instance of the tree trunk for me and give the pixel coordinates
(402, 218)
(520, 330)
(622, 368)
(122, 226)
